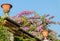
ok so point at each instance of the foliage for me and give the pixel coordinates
(35, 25)
(4, 33)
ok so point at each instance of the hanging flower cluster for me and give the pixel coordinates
(25, 13)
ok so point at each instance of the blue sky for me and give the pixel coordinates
(51, 7)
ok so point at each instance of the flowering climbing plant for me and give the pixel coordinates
(34, 24)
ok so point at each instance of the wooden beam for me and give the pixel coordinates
(21, 30)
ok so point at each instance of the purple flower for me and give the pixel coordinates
(47, 20)
(46, 15)
(25, 28)
(36, 17)
(25, 13)
(13, 17)
(51, 17)
(39, 28)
